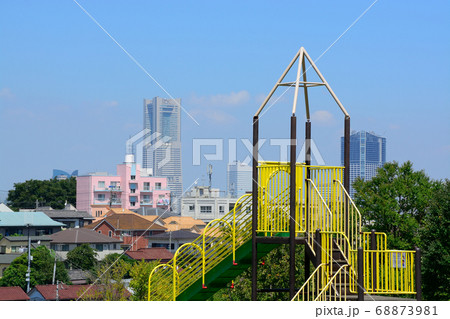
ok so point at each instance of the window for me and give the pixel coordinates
(101, 184)
(132, 190)
(99, 231)
(221, 209)
(133, 177)
(65, 247)
(99, 247)
(191, 208)
(157, 185)
(110, 233)
(146, 199)
(98, 213)
(146, 186)
(100, 197)
(132, 203)
(206, 209)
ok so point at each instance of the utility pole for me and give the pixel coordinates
(27, 276)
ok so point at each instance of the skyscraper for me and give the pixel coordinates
(163, 118)
(239, 179)
(367, 154)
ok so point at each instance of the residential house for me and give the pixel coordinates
(63, 292)
(69, 216)
(133, 229)
(172, 240)
(175, 223)
(151, 254)
(67, 240)
(19, 244)
(5, 261)
(13, 294)
(27, 223)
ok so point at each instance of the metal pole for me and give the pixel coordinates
(308, 175)
(373, 248)
(254, 207)
(347, 154)
(360, 281)
(347, 170)
(418, 274)
(27, 276)
(292, 206)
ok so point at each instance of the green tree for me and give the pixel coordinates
(435, 236)
(140, 272)
(51, 192)
(41, 270)
(273, 272)
(82, 257)
(395, 202)
(109, 282)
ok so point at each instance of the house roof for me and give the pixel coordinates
(127, 221)
(63, 213)
(13, 294)
(155, 211)
(25, 238)
(179, 234)
(158, 253)
(4, 208)
(81, 236)
(174, 223)
(22, 219)
(7, 259)
(65, 292)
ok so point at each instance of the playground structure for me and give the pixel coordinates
(292, 203)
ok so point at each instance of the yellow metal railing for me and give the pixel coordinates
(336, 288)
(192, 261)
(313, 285)
(387, 271)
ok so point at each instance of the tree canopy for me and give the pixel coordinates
(82, 257)
(51, 192)
(395, 202)
(41, 270)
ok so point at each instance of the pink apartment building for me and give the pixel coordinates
(129, 189)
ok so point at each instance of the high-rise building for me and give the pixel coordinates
(239, 179)
(367, 154)
(163, 118)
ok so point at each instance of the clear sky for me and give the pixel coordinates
(70, 96)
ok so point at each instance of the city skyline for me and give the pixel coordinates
(74, 99)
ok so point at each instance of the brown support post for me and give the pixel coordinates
(373, 248)
(318, 247)
(255, 207)
(418, 274)
(360, 281)
(292, 206)
(347, 169)
(308, 175)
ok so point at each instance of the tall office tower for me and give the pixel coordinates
(367, 154)
(163, 118)
(239, 179)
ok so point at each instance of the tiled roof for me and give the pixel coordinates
(68, 292)
(8, 258)
(13, 293)
(159, 253)
(81, 236)
(63, 213)
(182, 222)
(25, 238)
(127, 221)
(21, 219)
(65, 292)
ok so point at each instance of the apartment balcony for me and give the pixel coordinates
(108, 189)
(107, 202)
(146, 190)
(146, 203)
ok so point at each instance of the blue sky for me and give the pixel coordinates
(70, 97)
